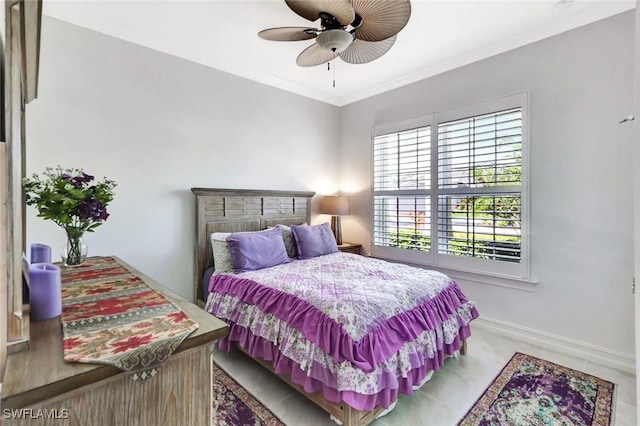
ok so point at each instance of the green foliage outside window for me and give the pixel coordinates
(498, 212)
(410, 240)
(506, 210)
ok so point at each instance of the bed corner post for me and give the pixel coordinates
(196, 281)
(351, 416)
(199, 249)
(463, 348)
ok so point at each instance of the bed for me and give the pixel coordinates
(349, 332)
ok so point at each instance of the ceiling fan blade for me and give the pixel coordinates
(361, 52)
(310, 9)
(288, 33)
(315, 55)
(381, 19)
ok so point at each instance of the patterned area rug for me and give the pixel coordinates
(233, 405)
(532, 391)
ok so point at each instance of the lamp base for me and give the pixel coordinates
(336, 228)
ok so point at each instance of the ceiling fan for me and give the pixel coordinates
(358, 31)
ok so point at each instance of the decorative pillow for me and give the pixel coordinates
(257, 250)
(289, 240)
(221, 254)
(314, 240)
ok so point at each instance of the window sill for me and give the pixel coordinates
(508, 281)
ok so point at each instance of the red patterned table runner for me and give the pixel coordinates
(110, 316)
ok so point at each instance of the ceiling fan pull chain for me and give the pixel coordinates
(334, 73)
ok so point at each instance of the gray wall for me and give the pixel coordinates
(580, 85)
(159, 125)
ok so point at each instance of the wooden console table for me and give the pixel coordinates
(44, 389)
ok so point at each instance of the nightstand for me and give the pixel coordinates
(350, 248)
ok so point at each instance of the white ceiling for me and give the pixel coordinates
(440, 35)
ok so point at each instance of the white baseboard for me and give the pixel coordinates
(599, 354)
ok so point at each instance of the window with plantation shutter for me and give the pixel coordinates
(451, 192)
(402, 180)
(479, 186)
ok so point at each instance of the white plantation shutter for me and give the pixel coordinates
(402, 160)
(490, 143)
(479, 186)
(452, 193)
(402, 221)
(402, 180)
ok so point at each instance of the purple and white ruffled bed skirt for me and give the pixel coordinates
(390, 385)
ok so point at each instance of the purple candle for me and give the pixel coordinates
(44, 291)
(40, 253)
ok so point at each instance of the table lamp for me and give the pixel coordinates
(335, 205)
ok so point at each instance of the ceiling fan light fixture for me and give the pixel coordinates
(334, 40)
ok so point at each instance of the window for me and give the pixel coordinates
(402, 177)
(448, 190)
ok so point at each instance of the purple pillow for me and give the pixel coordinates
(257, 250)
(314, 240)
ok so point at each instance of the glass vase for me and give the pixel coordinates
(75, 249)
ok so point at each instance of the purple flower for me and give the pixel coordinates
(93, 209)
(69, 197)
(77, 181)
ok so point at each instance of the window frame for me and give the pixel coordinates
(520, 270)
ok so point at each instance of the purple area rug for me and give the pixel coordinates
(532, 391)
(233, 405)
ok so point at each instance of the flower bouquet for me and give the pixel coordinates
(73, 201)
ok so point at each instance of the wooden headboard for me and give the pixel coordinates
(235, 210)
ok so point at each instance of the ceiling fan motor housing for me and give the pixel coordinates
(334, 40)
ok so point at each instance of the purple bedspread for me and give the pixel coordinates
(358, 329)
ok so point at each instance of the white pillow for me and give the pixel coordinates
(221, 254)
(289, 241)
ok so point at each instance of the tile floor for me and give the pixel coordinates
(443, 400)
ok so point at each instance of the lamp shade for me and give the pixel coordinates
(334, 40)
(334, 205)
